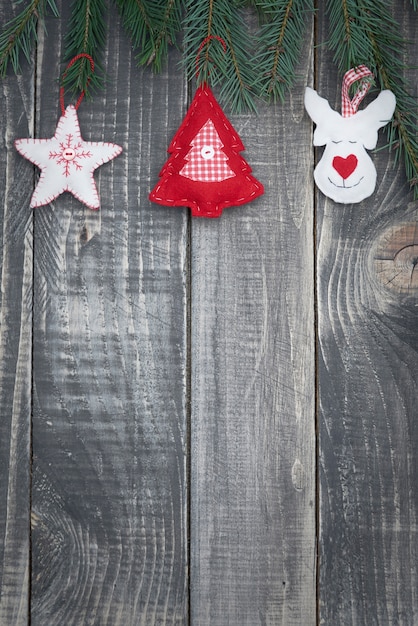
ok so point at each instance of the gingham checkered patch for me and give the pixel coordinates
(363, 74)
(206, 161)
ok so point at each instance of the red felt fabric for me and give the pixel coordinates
(206, 199)
(345, 166)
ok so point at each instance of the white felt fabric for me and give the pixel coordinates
(345, 172)
(67, 162)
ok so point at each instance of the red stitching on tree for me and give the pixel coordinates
(206, 160)
(206, 198)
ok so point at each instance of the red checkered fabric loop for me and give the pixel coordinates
(360, 73)
(206, 161)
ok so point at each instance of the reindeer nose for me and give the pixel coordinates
(345, 166)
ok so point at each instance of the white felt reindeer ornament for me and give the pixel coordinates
(345, 172)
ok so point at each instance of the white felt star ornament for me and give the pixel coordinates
(67, 162)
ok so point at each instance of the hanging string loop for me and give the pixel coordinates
(360, 73)
(202, 45)
(62, 88)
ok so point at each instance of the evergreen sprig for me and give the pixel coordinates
(86, 34)
(279, 43)
(20, 33)
(206, 19)
(365, 32)
(153, 26)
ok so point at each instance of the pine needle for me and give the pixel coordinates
(86, 34)
(153, 26)
(232, 69)
(279, 43)
(20, 34)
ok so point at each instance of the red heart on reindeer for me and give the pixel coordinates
(345, 166)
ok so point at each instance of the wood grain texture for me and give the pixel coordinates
(170, 410)
(109, 425)
(253, 388)
(368, 363)
(16, 179)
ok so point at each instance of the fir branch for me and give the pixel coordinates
(211, 18)
(348, 35)
(279, 44)
(137, 21)
(20, 34)
(86, 34)
(153, 25)
(156, 50)
(402, 132)
(364, 31)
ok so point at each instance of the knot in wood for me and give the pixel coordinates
(84, 235)
(396, 259)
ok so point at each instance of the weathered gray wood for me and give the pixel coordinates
(16, 119)
(367, 308)
(253, 387)
(109, 426)
(124, 344)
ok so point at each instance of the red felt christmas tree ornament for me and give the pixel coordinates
(205, 170)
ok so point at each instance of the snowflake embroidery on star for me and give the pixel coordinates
(69, 155)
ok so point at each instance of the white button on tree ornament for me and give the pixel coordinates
(346, 173)
(66, 161)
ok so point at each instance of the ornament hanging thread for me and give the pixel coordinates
(66, 161)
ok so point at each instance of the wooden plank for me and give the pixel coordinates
(109, 426)
(16, 184)
(253, 387)
(367, 298)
